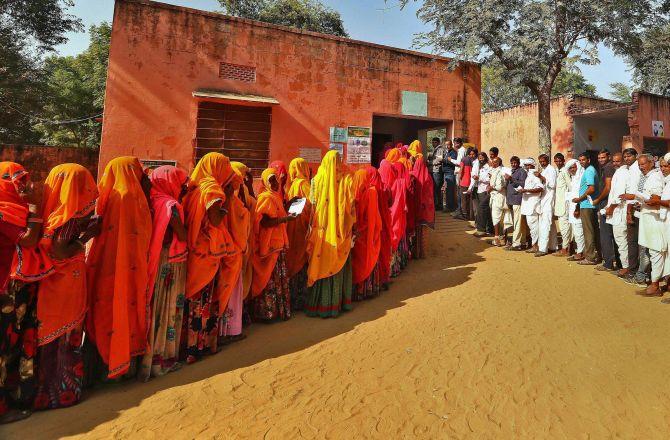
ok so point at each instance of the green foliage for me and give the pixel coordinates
(651, 60)
(502, 90)
(309, 15)
(620, 92)
(75, 88)
(28, 29)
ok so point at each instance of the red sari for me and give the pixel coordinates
(384, 200)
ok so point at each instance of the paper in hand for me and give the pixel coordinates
(297, 207)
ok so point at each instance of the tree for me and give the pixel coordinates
(621, 92)
(651, 60)
(28, 30)
(311, 15)
(500, 90)
(75, 90)
(532, 39)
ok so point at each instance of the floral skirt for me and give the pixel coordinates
(369, 288)
(298, 287)
(231, 320)
(200, 328)
(330, 296)
(18, 344)
(167, 315)
(274, 302)
(60, 372)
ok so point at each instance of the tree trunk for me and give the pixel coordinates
(544, 121)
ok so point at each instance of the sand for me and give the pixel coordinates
(473, 342)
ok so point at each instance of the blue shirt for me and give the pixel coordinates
(589, 178)
(449, 168)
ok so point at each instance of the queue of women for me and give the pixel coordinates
(148, 271)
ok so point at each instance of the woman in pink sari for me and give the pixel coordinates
(167, 271)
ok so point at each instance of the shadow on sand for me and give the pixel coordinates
(447, 265)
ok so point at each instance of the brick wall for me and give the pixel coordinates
(39, 160)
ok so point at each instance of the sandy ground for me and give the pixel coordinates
(473, 342)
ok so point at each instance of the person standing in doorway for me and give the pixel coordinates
(449, 172)
(461, 152)
(587, 211)
(437, 161)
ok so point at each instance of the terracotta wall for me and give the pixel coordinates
(39, 160)
(160, 54)
(645, 109)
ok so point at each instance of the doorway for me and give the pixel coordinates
(399, 129)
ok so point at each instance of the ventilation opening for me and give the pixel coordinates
(241, 133)
(237, 72)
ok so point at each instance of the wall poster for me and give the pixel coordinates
(310, 154)
(359, 145)
(657, 129)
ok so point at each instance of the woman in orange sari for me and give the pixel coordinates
(234, 267)
(279, 166)
(209, 241)
(269, 287)
(167, 271)
(329, 244)
(118, 268)
(20, 230)
(296, 256)
(69, 199)
(365, 254)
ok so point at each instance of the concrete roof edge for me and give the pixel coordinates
(655, 95)
(553, 98)
(222, 16)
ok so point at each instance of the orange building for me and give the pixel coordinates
(184, 82)
(582, 124)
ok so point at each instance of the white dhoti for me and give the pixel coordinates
(621, 240)
(566, 230)
(533, 222)
(547, 232)
(578, 236)
(657, 259)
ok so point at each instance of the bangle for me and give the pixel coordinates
(35, 220)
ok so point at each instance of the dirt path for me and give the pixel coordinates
(472, 342)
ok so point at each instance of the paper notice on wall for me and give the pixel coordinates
(337, 147)
(338, 135)
(658, 129)
(152, 164)
(359, 145)
(310, 154)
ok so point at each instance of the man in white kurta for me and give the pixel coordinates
(547, 229)
(530, 202)
(575, 170)
(497, 200)
(563, 188)
(615, 211)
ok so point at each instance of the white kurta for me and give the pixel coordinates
(530, 203)
(651, 231)
(547, 233)
(563, 188)
(618, 187)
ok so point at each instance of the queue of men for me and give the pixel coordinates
(612, 215)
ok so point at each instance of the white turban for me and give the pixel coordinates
(529, 161)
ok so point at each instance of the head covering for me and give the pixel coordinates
(330, 238)
(415, 148)
(118, 267)
(250, 204)
(12, 208)
(393, 155)
(395, 178)
(271, 240)
(424, 187)
(69, 193)
(207, 244)
(528, 161)
(282, 178)
(297, 230)
(368, 225)
(167, 184)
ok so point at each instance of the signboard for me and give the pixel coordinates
(338, 135)
(414, 103)
(657, 129)
(310, 154)
(359, 144)
(152, 164)
(337, 147)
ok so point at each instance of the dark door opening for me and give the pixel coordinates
(396, 129)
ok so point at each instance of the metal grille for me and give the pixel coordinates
(241, 133)
(237, 72)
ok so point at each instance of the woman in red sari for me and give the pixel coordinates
(20, 228)
(69, 199)
(424, 203)
(385, 201)
(282, 176)
(365, 254)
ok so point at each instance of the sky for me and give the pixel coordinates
(376, 21)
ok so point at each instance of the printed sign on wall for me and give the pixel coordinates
(151, 164)
(414, 103)
(338, 135)
(657, 129)
(310, 154)
(359, 144)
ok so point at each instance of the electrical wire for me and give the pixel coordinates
(49, 121)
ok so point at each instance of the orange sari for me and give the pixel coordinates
(297, 230)
(69, 193)
(118, 267)
(207, 243)
(250, 203)
(270, 241)
(334, 215)
(369, 227)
